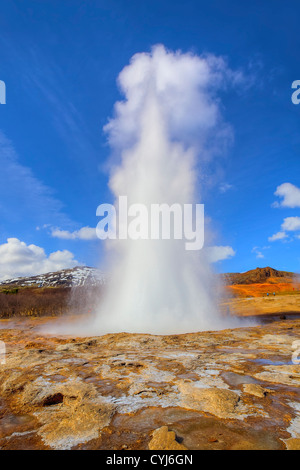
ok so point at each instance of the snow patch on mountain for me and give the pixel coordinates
(75, 277)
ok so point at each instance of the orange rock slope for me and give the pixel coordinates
(261, 282)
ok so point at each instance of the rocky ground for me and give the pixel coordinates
(273, 305)
(231, 389)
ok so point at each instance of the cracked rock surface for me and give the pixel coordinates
(230, 389)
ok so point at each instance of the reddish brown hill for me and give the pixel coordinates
(259, 276)
(261, 281)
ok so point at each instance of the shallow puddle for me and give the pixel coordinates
(269, 362)
(234, 380)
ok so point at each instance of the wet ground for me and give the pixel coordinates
(230, 389)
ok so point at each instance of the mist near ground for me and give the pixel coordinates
(162, 135)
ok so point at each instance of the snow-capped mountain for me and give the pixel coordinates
(78, 276)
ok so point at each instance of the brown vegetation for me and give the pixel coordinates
(49, 301)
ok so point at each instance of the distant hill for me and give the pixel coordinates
(259, 276)
(86, 276)
(75, 277)
(53, 294)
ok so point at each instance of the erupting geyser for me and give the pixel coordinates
(163, 135)
(168, 125)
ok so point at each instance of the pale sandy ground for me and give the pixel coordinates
(280, 304)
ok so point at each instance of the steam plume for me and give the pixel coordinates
(168, 123)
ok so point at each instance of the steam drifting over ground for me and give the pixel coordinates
(163, 134)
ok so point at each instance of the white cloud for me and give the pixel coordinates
(290, 195)
(220, 253)
(277, 236)
(224, 187)
(18, 259)
(258, 252)
(85, 233)
(291, 224)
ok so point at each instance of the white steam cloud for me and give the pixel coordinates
(168, 126)
(168, 123)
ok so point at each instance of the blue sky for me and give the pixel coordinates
(60, 61)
